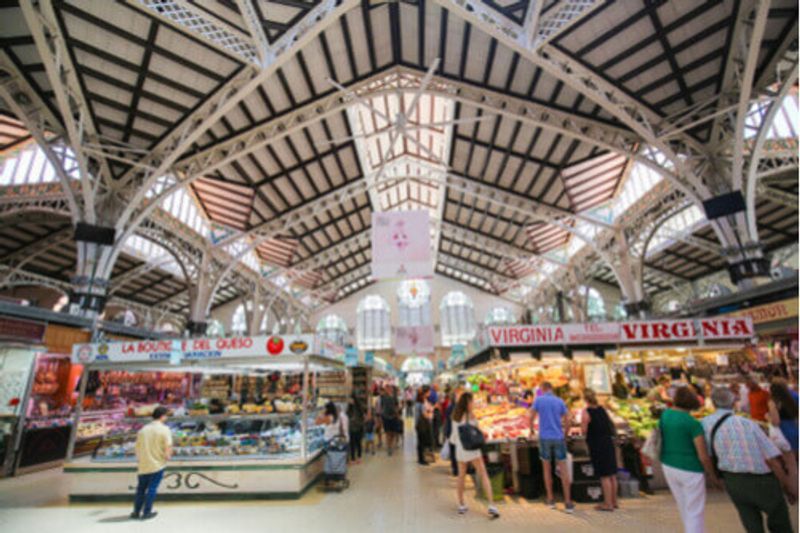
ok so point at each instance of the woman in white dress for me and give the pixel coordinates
(462, 415)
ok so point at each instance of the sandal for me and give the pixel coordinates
(603, 508)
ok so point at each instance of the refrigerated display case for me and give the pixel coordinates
(261, 441)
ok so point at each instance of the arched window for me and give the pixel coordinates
(215, 329)
(673, 306)
(457, 316)
(239, 321)
(373, 329)
(125, 317)
(500, 316)
(414, 303)
(332, 328)
(595, 305)
(619, 312)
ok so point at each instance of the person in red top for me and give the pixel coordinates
(759, 401)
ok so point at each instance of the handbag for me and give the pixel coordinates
(445, 453)
(471, 437)
(652, 446)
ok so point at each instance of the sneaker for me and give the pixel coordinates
(551, 504)
(148, 516)
(462, 509)
(134, 516)
(569, 508)
(493, 512)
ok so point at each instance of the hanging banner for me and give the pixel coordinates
(193, 349)
(708, 329)
(414, 340)
(458, 353)
(351, 356)
(369, 358)
(401, 245)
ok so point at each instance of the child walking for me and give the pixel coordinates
(369, 434)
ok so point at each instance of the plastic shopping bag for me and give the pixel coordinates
(445, 453)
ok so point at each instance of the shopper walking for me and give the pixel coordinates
(448, 429)
(376, 413)
(153, 450)
(684, 458)
(335, 423)
(599, 431)
(758, 399)
(408, 397)
(750, 465)
(782, 411)
(390, 418)
(462, 415)
(553, 426)
(424, 425)
(355, 417)
(434, 398)
(369, 434)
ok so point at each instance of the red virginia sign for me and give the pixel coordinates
(710, 329)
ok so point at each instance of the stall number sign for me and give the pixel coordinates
(709, 329)
(175, 351)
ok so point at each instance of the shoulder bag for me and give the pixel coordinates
(471, 437)
(714, 457)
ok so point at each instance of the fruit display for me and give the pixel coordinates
(637, 413)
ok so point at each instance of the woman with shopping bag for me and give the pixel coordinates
(468, 441)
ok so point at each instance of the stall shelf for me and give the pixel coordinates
(276, 455)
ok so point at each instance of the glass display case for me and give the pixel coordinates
(217, 437)
(242, 421)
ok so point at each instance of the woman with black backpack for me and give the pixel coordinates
(467, 443)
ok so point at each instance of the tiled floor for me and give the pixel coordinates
(386, 494)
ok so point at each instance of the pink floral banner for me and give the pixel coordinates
(414, 340)
(401, 245)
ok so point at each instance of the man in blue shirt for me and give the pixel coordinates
(553, 418)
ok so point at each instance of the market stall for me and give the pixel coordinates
(243, 413)
(505, 377)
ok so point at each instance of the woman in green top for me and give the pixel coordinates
(684, 458)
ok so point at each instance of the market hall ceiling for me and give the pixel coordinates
(297, 139)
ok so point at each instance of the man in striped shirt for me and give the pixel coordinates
(750, 466)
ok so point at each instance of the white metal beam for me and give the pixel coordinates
(759, 148)
(75, 113)
(166, 153)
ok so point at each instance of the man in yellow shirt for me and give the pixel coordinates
(153, 450)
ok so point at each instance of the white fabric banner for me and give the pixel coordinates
(401, 245)
(414, 340)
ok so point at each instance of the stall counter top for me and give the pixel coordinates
(87, 465)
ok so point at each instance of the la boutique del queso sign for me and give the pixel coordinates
(193, 349)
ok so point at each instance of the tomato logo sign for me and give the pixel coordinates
(275, 345)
